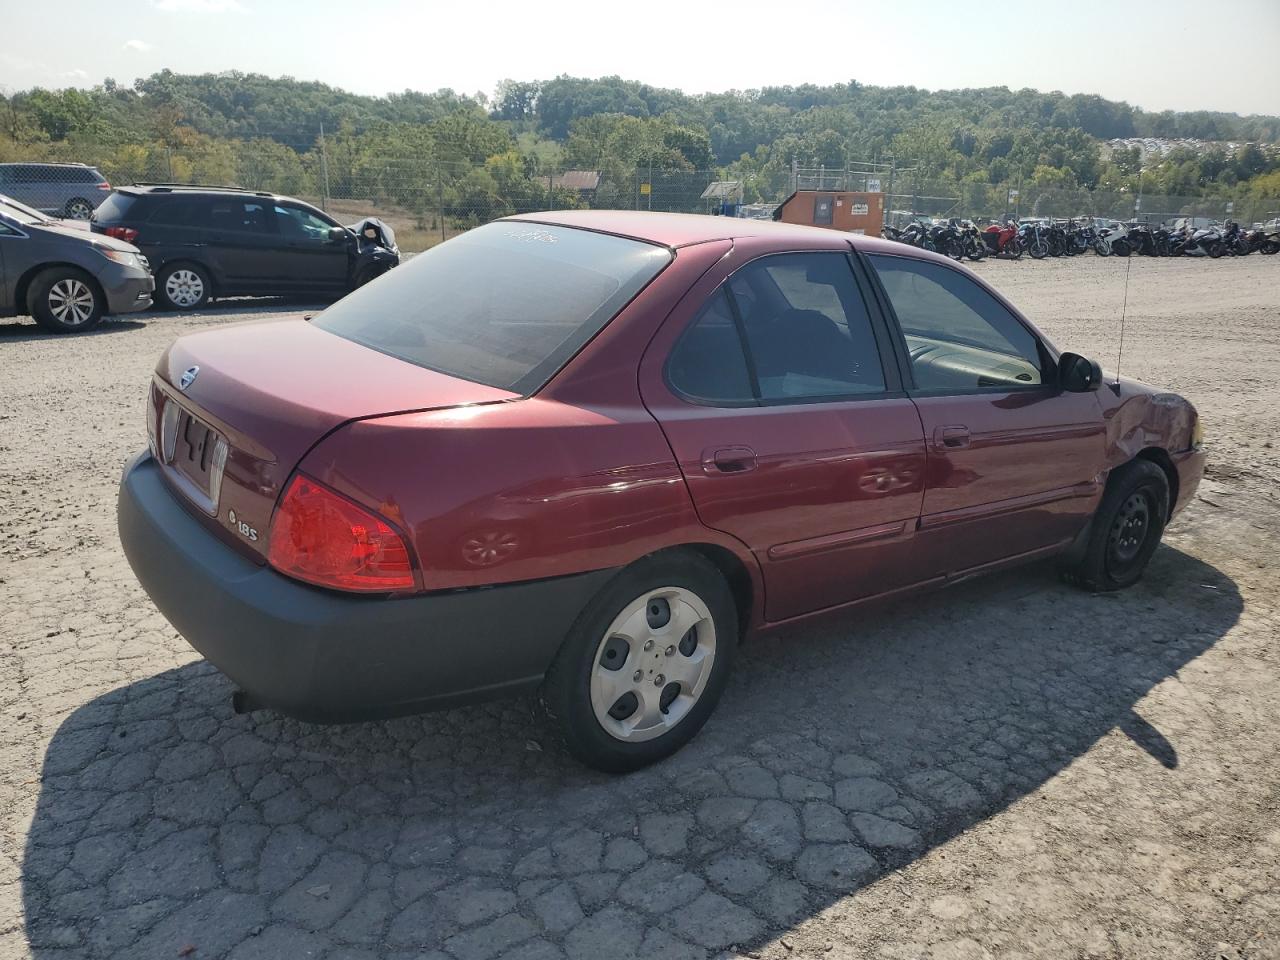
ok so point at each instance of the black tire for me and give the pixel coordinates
(566, 692)
(369, 274)
(1125, 530)
(1270, 247)
(1216, 249)
(1014, 248)
(192, 293)
(78, 208)
(66, 300)
(1039, 250)
(1120, 248)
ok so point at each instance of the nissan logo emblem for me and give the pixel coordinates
(188, 377)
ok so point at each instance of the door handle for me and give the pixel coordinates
(728, 460)
(951, 438)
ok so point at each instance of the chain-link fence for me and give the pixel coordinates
(427, 198)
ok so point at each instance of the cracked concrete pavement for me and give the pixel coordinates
(1010, 768)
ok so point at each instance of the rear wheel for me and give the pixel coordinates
(645, 664)
(65, 300)
(182, 286)
(1125, 530)
(78, 209)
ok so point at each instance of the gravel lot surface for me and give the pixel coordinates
(1008, 769)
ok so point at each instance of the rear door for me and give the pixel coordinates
(1013, 461)
(791, 430)
(243, 243)
(308, 258)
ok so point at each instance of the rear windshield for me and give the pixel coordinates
(115, 207)
(505, 304)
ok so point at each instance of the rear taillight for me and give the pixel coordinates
(104, 185)
(320, 536)
(127, 234)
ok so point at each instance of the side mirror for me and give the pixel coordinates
(1077, 374)
(338, 234)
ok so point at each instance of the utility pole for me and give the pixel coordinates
(324, 172)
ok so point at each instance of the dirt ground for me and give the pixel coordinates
(1008, 769)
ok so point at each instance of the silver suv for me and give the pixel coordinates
(71, 190)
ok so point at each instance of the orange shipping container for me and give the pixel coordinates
(835, 209)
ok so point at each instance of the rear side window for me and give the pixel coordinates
(239, 216)
(807, 328)
(506, 304)
(708, 362)
(181, 212)
(116, 207)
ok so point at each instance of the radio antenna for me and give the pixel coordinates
(1123, 310)
(1124, 307)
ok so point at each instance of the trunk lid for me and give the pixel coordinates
(271, 391)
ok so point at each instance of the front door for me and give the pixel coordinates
(790, 429)
(308, 259)
(1013, 461)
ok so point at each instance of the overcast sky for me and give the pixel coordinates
(1162, 54)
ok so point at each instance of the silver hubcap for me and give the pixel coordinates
(79, 210)
(184, 288)
(652, 664)
(71, 302)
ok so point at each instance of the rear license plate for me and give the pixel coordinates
(193, 452)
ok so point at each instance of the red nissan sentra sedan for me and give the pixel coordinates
(587, 452)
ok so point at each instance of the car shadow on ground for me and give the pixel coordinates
(840, 753)
(24, 328)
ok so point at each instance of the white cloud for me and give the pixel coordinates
(198, 6)
(76, 74)
(137, 46)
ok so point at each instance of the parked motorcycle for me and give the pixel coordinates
(1235, 240)
(971, 240)
(1035, 239)
(946, 240)
(1002, 239)
(1206, 242)
(1112, 242)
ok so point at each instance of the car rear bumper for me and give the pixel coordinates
(1190, 467)
(329, 657)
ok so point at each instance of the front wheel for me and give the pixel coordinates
(646, 663)
(1125, 531)
(182, 286)
(1039, 250)
(65, 300)
(1014, 248)
(1120, 248)
(1217, 249)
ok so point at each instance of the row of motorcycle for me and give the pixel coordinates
(1039, 239)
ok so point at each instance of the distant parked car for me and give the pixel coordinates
(206, 242)
(67, 279)
(71, 190)
(587, 451)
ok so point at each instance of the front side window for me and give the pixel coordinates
(506, 304)
(958, 337)
(299, 224)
